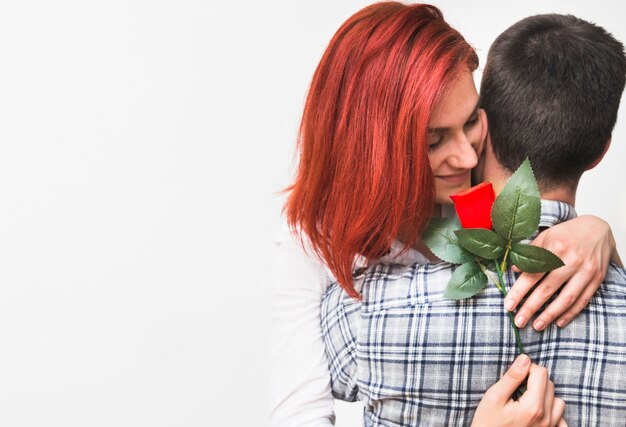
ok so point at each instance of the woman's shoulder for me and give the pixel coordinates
(298, 265)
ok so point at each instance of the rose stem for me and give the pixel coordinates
(520, 346)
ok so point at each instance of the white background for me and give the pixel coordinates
(143, 144)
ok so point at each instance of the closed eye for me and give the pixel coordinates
(438, 139)
(471, 122)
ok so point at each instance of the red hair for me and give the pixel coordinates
(363, 173)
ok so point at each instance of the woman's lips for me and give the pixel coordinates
(455, 179)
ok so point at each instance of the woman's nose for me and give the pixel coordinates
(464, 156)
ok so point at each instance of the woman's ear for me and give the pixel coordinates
(600, 157)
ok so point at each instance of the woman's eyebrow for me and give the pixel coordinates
(445, 129)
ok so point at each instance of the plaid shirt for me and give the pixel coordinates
(415, 358)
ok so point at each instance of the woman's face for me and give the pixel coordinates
(456, 133)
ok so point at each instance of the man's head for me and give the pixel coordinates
(551, 89)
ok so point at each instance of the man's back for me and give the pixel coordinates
(415, 358)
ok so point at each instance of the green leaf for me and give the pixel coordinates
(533, 259)
(482, 242)
(441, 240)
(517, 208)
(466, 281)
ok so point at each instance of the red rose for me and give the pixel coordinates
(473, 206)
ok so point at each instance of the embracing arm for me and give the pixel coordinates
(299, 377)
(586, 245)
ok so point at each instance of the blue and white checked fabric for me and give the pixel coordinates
(415, 358)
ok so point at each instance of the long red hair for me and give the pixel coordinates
(363, 173)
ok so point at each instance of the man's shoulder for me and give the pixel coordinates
(388, 286)
(615, 279)
(385, 285)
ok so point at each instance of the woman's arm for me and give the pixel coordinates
(300, 393)
(536, 407)
(586, 245)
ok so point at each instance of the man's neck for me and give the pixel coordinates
(565, 195)
(498, 176)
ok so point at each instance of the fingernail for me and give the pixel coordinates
(561, 323)
(539, 325)
(520, 321)
(522, 360)
(508, 304)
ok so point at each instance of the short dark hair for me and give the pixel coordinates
(551, 89)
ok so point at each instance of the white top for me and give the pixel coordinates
(300, 394)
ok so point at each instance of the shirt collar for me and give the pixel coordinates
(554, 212)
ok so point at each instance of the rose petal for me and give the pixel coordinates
(473, 206)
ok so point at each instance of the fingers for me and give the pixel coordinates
(550, 284)
(586, 256)
(553, 407)
(537, 406)
(556, 417)
(536, 389)
(548, 401)
(520, 288)
(570, 298)
(578, 306)
(581, 280)
(524, 283)
(511, 380)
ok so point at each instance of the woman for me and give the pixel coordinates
(380, 152)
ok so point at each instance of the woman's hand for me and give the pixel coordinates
(536, 407)
(586, 245)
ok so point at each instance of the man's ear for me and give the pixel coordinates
(481, 149)
(484, 132)
(488, 145)
(600, 157)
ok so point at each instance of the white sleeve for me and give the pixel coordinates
(300, 394)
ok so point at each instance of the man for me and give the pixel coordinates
(551, 90)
